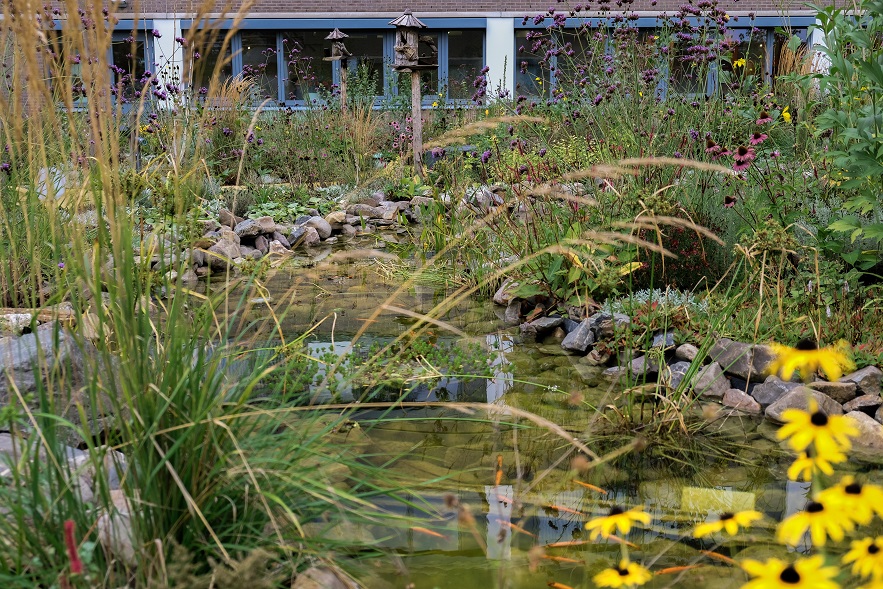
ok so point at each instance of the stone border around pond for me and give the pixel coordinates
(734, 374)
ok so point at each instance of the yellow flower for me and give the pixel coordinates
(628, 574)
(435, 103)
(618, 520)
(731, 522)
(806, 573)
(866, 557)
(828, 434)
(629, 268)
(487, 112)
(739, 62)
(820, 519)
(807, 359)
(858, 502)
(786, 115)
(805, 465)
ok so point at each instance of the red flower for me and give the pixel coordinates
(72, 553)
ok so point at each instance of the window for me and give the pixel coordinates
(204, 57)
(259, 63)
(531, 71)
(309, 77)
(748, 58)
(128, 58)
(366, 66)
(465, 60)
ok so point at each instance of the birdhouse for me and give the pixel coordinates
(409, 54)
(338, 49)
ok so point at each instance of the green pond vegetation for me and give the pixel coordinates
(366, 417)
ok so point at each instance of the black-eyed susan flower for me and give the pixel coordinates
(808, 464)
(618, 520)
(859, 502)
(627, 574)
(820, 519)
(829, 434)
(866, 557)
(731, 522)
(807, 358)
(806, 573)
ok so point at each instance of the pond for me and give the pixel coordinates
(503, 499)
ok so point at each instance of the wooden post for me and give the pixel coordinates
(417, 123)
(343, 73)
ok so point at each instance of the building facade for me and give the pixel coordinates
(281, 43)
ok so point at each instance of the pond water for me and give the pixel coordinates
(516, 476)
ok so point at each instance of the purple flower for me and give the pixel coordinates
(61, 265)
(156, 34)
(776, 154)
(6, 167)
(181, 41)
(486, 156)
(729, 201)
(743, 156)
(764, 118)
(227, 131)
(757, 138)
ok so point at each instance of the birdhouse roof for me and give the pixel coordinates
(337, 34)
(408, 20)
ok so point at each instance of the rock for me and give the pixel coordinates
(262, 244)
(24, 358)
(675, 374)
(332, 239)
(605, 325)
(229, 235)
(686, 352)
(616, 374)
(198, 257)
(742, 401)
(879, 415)
(222, 253)
(798, 398)
(250, 252)
(115, 530)
(663, 340)
(322, 227)
(311, 237)
(14, 323)
(347, 230)
(322, 578)
(189, 277)
(579, 340)
(596, 358)
(867, 380)
(513, 313)
(870, 431)
(747, 361)
(209, 225)
(295, 238)
(528, 333)
(281, 239)
(643, 365)
(336, 219)
(422, 201)
(364, 210)
(226, 218)
(866, 404)
(505, 293)
(711, 381)
(253, 227)
(842, 392)
(569, 324)
(771, 390)
(544, 325)
(277, 249)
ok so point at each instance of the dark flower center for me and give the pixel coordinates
(815, 507)
(873, 549)
(764, 114)
(853, 489)
(790, 575)
(742, 151)
(623, 572)
(616, 510)
(757, 135)
(819, 419)
(807, 344)
(726, 516)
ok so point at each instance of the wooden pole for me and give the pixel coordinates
(343, 68)
(417, 123)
